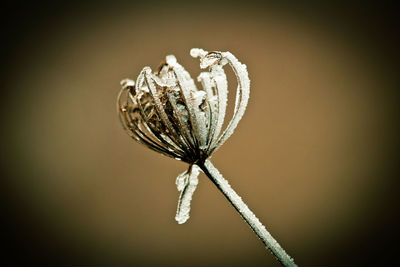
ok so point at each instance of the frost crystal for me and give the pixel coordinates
(165, 111)
(186, 183)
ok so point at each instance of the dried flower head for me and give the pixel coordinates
(165, 111)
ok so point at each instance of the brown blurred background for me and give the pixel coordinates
(314, 156)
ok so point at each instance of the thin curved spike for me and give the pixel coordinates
(165, 139)
(163, 78)
(184, 130)
(212, 102)
(221, 84)
(191, 97)
(242, 96)
(214, 61)
(152, 138)
(140, 137)
(160, 109)
(135, 132)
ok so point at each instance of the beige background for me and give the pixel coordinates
(307, 156)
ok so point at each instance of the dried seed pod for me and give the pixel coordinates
(166, 112)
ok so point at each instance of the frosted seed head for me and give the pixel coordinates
(167, 112)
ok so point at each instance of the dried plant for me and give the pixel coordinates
(167, 113)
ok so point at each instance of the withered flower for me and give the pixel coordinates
(166, 112)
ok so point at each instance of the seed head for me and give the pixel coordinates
(165, 111)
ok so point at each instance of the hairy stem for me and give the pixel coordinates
(255, 224)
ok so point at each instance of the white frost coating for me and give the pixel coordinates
(156, 98)
(208, 84)
(139, 83)
(215, 61)
(242, 96)
(182, 117)
(186, 183)
(247, 214)
(221, 84)
(197, 124)
(189, 90)
(126, 83)
(197, 52)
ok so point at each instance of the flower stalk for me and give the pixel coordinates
(259, 229)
